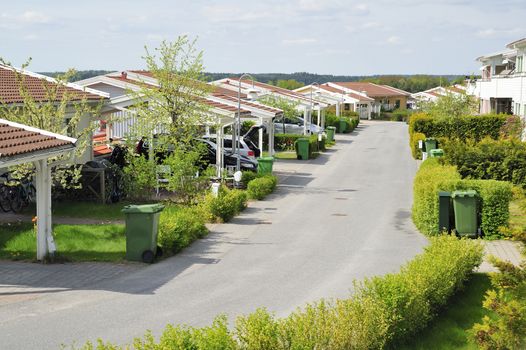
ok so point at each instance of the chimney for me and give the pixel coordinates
(124, 75)
(364, 93)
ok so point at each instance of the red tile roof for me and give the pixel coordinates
(271, 88)
(351, 94)
(21, 140)
(36, 87)
(373, 90)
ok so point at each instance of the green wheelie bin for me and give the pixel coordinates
(465, 208)
(265, 165)
(436, 153)
(431, 143)
(302, 148)
(142, 224)
(342, 125)
(331, 130)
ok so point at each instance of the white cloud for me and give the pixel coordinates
(371, 25)
(393, 40)
(492, 32)
(299, 41)
(34, 17)
(30, 37)
(362, 9)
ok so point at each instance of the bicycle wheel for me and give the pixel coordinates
(17, 200)
(4, 198)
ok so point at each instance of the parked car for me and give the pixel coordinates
(230, 159)
(247, 143)
(294, 126)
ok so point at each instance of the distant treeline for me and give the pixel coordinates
(410, 83)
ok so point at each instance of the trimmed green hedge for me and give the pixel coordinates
(179, 228)
(261, 187)
(226, 205)
(285, 142)
(432, 177)
(381, 312)
(503, 160)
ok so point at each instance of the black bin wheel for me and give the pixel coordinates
(299, 157)
(159, 252)
(148, 256)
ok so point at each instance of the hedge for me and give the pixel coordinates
(381, 312)
(432, 177)
(178, 228)
(503, 160)
(226, 205)
(260, 187)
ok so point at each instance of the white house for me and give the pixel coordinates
(502, 86)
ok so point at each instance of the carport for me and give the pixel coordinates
(21, 144)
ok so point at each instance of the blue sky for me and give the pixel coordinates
(323, 36)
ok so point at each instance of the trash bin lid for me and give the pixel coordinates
(302, 139)
(444, 194)
(437, 150)
(468, 193)
(143, 208)
(430, 139)
(331, 127)
(266, 159)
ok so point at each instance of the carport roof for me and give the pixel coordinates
(18, 140)
(37, 87)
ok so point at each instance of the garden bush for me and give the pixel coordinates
(414, 139)
(226, 205)
(432, 177)
(178, 228)
(248, 176)
(285, 142)
(381, 312)
(261, 187)
(503, 160)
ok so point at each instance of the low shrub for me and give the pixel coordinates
(248, 176)
(414, 139)
(261, 187)
(432, 177)
(503, 160)
(226, 205)
(178, 228)
(381, 312)
(285, 142)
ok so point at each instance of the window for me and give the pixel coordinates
(397, 104)
(347, 107)
(519, 64)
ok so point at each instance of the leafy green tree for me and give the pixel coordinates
(451, 105)
(60, 111)
(289, 84)
(171, 112)
(288, 107)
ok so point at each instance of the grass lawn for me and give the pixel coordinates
(282, 155)
(448, 330)
(74, 242)
(89, 210)
(517, 213)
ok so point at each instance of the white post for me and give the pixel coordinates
(49, 230)
(319, 116)
(41, 189)
(260, 134)
(338, 109)
(305, 116)
(219, 150)
(271, 139)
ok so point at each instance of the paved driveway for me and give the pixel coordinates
(343, 216)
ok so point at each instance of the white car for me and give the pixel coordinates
(247, 146)
(294, 126)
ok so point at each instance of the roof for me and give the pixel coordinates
(350, 94)
(496, 54)
(520, 42)
(260, 106)
(37, 86)
(20, 140)
(373, 90)
(218, 90)
(272, 88)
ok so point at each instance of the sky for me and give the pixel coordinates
(343, 37)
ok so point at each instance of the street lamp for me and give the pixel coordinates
(237, 128)
(311, 107)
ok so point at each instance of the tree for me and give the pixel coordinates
(451, 105)
(170, 113)
(289, 84)
(60, 110)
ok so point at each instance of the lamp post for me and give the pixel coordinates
(311, 108)
(237, 128)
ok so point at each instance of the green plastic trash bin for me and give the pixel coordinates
(342, 126)
(142, 223)
(436, 153)
(444, 211)
(431, 143)
(302, 148)
(330, 133)
(465, 208)
(265, 165)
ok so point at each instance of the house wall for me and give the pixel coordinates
(392, 101)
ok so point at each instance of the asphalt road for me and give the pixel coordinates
(342, 216)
